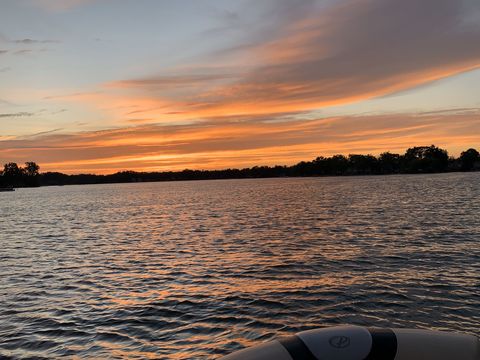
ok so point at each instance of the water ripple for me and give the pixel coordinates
(194, 270)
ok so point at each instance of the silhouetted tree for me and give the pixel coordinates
(15, 176)
(31, 172)
(453, 164)
(303, 168)
(362, 164)
(56, 178)
(31, 169)
(425, 159)
(319, 166)
(390, 163)
(468, 159)
(337, 165)
(12, 174)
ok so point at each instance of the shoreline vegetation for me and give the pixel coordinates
(416, 160)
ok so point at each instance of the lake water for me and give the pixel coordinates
(194, 270)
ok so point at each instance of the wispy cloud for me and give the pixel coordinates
(347, 52)
(40, 134)
(23, 51)
(355, 51)
(33, 41)
(172, 80)
(55, 112)
(17, 114)
(27, 41)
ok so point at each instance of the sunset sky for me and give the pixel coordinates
(106, 85)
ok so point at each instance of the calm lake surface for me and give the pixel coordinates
(194, 270)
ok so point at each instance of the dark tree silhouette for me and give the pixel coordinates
(337, 165)
(12, 174)
(468, 159)
(31, 168)
(15, 176)
(425, 159)
(31, 174)
(390, 163)
(362, 164)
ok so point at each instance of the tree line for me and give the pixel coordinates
(13, 175)
(420, 159)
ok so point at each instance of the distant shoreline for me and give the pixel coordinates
(241, 178)
(259, 178)
(416, 160)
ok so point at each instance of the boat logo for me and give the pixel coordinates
(339, 342)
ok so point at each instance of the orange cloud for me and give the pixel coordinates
(213, 145)
(321, 58)
(315, 58)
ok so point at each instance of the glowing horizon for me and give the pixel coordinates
(208, 85)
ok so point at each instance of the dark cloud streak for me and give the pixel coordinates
(23, 52)
(17, 114)
(33, 42)
(173, 80)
